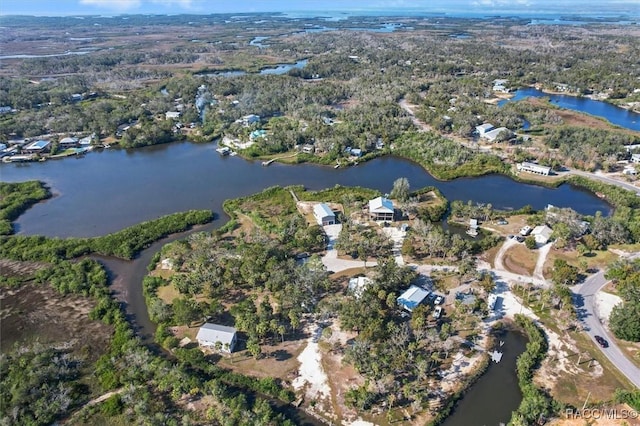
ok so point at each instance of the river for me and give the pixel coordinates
(614, 114)
(111, 189)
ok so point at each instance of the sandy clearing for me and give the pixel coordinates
(311, 373)
(361, 422)
(605, 303)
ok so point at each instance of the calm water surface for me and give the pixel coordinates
(492, 399)
(112, 189)
(616, 115)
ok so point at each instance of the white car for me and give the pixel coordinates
(437, 312)
(438, 300)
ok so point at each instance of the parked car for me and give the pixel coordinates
(437, 312)
(601, 341)
(438, 300)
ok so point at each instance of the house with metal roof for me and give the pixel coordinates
(413, 297)
(484, 128)
(381, 208)
(37, 147)
(533, 168)
(324, 215)
(542, 234)
(213, 335)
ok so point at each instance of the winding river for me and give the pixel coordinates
(111, 189)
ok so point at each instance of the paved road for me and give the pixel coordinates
(606, 179)
(585, 295)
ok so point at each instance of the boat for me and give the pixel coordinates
(224, 150)
(600, 195)
(336, 166)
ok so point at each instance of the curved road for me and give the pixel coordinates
(606, 179)
(587, 312)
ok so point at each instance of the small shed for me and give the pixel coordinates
(210, 335)
(324, 215)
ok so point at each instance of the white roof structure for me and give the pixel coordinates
(484, 128)
(68, 140)
(358, 285)
(411, 298)
(209, 334)
(380, 205)
(542, 234)
(323, 214)
(492, 134)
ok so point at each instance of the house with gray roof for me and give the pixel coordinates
(413, 297)
(324, 215)
(212, 335)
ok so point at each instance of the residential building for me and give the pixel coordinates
(68, 142)
(358, 285)
(542, 234)
(172, 115)
(635, 158)
(484, 128)
(256, 134)
(308, 149)
(37, 147)
(212, 335)
(533, 168)
(492, 134)
(247, 120)
(413, 297)
(381, 209)
(324, 215)
(356, 152)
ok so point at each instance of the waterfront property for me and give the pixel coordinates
(217, 337)
(37, 147)
(533, 168)
(68, 142)
(542, 234)
(381, 209)
(324, 215)
(413, 297)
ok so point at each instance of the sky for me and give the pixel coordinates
(110, 7)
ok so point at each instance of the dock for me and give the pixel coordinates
(224, 150)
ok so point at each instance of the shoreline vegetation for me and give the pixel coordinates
(125, 244)
(16, 198)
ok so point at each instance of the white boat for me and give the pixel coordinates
(224, 150)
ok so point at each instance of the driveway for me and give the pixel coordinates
(330, 259)
(586, 305)
(543, 252)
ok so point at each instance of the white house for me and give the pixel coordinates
(484, 128)
(211, 334)
(542, 234)
(37, 146)
(68, 142)
(492, 134)
(635, 158)
(381, 209)
(411, 298)
(324, 215)
(533, 168)
(172, 115)
(358, 285)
